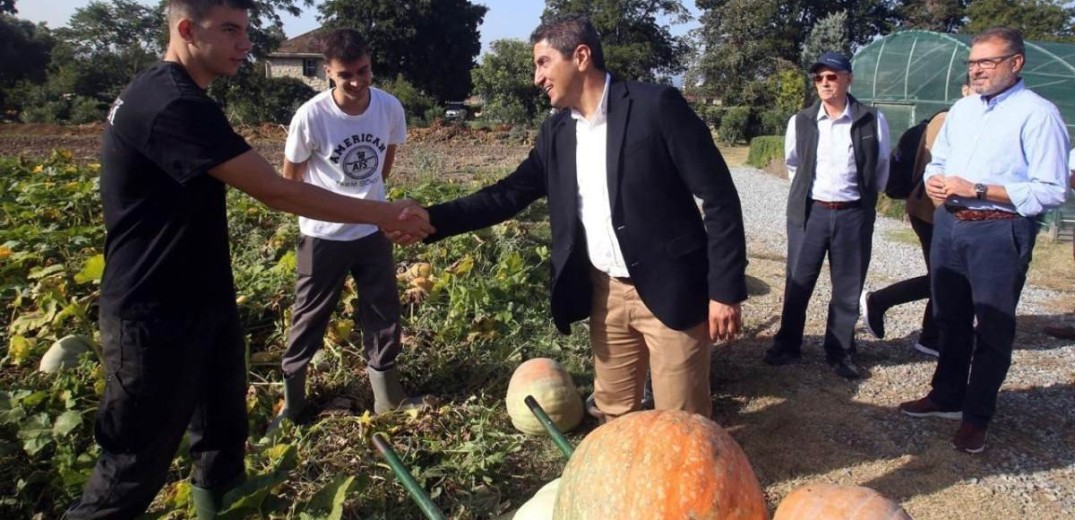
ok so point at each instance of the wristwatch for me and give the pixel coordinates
(980, 191)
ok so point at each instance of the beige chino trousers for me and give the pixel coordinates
(627, 339)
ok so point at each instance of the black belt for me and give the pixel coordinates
(839, 204)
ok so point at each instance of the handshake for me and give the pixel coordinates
(405, 222)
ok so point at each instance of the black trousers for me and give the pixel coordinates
(845, 235)
(913, 289)
(323, 266)
(979, 269)
(166, 375)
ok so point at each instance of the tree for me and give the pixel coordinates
(830, 34)
(1047, 20)
(433, 43)
(932, 15)
(121, 37)
(636, 46)
(8, 6)
(748, 40)
(505, 79)
(25, 52)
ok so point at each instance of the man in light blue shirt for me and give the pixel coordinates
(998, 164)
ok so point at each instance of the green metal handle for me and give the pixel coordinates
(404, 476)
(554, 432)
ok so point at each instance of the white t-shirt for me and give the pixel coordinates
(346, 153)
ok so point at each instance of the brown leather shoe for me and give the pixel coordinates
(970, 438)
(1061, 332)
(926, 408)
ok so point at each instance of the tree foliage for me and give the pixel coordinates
(748, 40)
(830, 34)
(932, 15)
(637, 46)
(505, 80)
(1048, 20)
(8, 6)
(25, 51)
(433, 43)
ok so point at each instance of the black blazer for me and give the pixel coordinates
(660, 154)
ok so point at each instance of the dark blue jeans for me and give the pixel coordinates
(845, 235)
(167, 375)
(978, 271)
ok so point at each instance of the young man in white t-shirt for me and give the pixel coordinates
(344, 140)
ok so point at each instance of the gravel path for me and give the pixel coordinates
(1028, 469)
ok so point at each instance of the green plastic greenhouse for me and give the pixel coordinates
(910, 75)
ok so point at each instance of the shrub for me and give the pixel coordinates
(765, 148)
(273, 100)
(416, 104)
(734, 125)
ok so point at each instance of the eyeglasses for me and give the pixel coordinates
(831, 77)
(988, 63)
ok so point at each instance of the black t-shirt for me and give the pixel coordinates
(166, 249)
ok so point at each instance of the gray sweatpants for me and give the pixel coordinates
(322, 268)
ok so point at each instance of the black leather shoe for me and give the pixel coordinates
(778, 356)
(846, 369)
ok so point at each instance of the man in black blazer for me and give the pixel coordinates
(620, 165)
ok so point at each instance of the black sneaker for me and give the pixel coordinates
(874, 317)
(777, 356)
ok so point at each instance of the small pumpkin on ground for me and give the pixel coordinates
(64, 353)
(540, 506)
(659, 464)
(832, 502)
(552, 388)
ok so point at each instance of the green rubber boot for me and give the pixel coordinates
(388, 392)
(206, 502)
(294, 399)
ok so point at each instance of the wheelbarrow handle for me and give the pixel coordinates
(405, 478)
(554, 432)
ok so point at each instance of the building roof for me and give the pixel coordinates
(305, 44)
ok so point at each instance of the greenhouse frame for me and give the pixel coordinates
(910, 75)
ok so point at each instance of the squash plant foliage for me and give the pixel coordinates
(481, 311)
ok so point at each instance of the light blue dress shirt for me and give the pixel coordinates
(1017, 140)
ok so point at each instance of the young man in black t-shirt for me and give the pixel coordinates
(173, 344)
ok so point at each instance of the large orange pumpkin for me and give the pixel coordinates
(660, 464)
(831, 502)
(552, 388)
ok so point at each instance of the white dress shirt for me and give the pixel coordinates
(595, 209)
(835, 177)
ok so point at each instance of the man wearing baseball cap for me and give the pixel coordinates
(837, 154)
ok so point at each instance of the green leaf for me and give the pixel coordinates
(45, 271)
(35, 434)
(12, 416)
(327, 504)
(92, 270)
(248, 496)
(66, 423)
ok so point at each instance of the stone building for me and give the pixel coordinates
(300, 57)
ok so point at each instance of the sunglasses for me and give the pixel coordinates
(831, 77)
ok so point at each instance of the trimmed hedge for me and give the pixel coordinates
(764, 148)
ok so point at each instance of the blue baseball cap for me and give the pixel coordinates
(833, 60)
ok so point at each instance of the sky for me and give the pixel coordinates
(505, 18)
